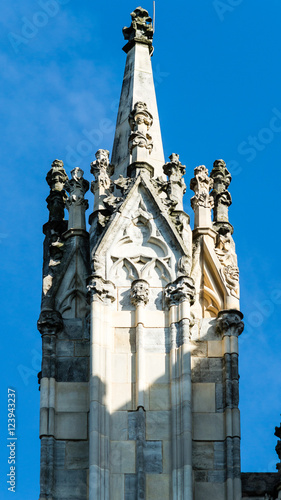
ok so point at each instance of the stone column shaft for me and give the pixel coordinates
(230, 326)
(49, 324)
(179, 295)
(139, 298)
(101, 296)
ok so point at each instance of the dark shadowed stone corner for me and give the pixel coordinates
(259, 483)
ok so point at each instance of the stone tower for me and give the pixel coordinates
(140, 318)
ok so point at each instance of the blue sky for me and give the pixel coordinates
(217, 71)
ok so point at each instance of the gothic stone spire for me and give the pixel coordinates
(138, 87)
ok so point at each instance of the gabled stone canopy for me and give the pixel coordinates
(145, 229)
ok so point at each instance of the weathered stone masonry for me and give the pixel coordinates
(140, 320)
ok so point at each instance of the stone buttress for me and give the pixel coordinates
(140, 318)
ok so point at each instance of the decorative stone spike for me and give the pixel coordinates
(141, 29)
(277, 433)
(222, 198)
(76, 204)
(102, 170)
(202, 203)
(176, 186)
(56, 178)
(140, 142)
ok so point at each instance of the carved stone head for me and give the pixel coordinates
(139, 292)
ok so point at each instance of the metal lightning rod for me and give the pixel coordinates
(153, 22)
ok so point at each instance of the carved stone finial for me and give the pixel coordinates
(56, 178)
(229, 322)
(178, 291)
(141, 30)
(201, 185)
(101, 168)
(100, 289)
(140, 142)
(102, 187)
(202, 202)
(50, 322)
(77, 186)
(175, 187)
(139, 293)
(222, 198)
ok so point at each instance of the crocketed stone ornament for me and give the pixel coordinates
(100, 289)
(229, 322)
(140, 120)
(179, 290)
(101, 169)
(139, 293)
